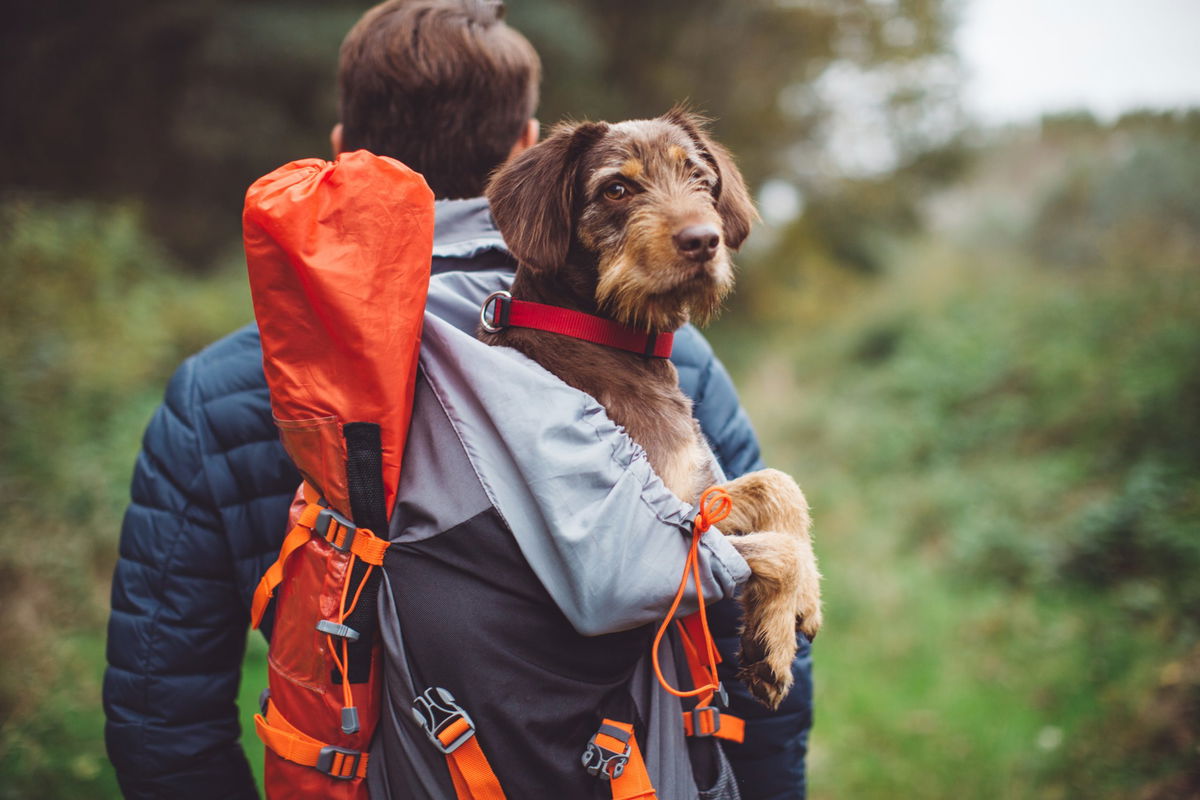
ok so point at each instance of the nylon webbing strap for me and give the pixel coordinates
(289, 743)
(705, 720)
(691, 630)
(296, 538)
(362, 542)
(631, 780)
(708, 721)
(450, 728)
(470, 771)
(506, 311)
(364, 479)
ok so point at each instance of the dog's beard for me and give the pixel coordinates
(662, 296)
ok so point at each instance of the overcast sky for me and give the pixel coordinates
(1029, 56)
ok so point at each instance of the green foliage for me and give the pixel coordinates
(997, 427)
(1003, 457)
(96, 318)
(188, 103)
(1139, 194)
(57, 751)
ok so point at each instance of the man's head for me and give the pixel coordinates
(442, 85)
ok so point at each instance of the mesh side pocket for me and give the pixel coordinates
(725, 787)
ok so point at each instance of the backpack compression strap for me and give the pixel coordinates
(323, 522)
(704, 719)
(452, 731)
(289, 742)
(613, 755)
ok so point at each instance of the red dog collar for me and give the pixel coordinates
(506, 312)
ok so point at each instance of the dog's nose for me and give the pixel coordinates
(698, 242)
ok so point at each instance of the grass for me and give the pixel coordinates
(254, 680)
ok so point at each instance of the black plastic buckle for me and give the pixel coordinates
(435, 710)
(604, 763)
(714, 719)
(325, 519)
(325, 762)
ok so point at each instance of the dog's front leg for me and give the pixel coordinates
(769, 524)
(768, 601)
(770, 500)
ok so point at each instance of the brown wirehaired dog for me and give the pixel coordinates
(634, 222)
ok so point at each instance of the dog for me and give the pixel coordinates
(634, 222)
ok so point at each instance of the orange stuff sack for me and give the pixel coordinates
(338, 256)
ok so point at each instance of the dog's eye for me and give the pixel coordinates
(616, 191)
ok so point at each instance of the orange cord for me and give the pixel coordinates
(343, 663)
(715, 505)
(358, 593)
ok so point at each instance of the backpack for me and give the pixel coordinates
(339, 258)
(340, 339)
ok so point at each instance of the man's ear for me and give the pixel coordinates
(533, 195)
(734, 205)
(335, 140)
(527, 139)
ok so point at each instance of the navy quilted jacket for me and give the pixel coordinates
(210, 496)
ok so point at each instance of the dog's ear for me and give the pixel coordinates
(533, 195)
(732, 197)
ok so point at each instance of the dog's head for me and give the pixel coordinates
(641, 215)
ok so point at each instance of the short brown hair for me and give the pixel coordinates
(442, 85)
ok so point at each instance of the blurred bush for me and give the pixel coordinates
(95, 316)
(1001, 443)
(183, 105)
(996, 422)
(1137, 194)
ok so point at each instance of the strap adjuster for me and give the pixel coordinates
(337, 629)
(706, 721)
(325, 521)
(344, 769)
(605, 763)
(443, 719)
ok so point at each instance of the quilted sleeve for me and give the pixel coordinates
(715, 404)
(177, 632)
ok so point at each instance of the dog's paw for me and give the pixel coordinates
(808, 614)
(768, 679)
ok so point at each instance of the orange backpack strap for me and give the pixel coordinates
(296, 538)
(288, 742)
(613, 755)
(704, 719)
(452, 732)
(316, 520)
(708, 721)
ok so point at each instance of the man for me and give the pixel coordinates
(446, 87)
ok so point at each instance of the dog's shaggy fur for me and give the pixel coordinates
(634, 221)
